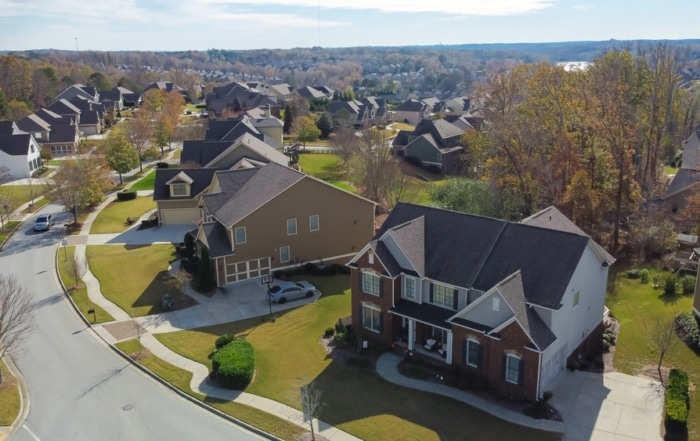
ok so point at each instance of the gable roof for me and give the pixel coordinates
(309, 92)
(200, 179)
(9, 128)
(685, 177)
(217, 239)
(64, 134)
(244, 191)
(231, 129)
(691, 151)
(479, 252)
(33, 123)
(411, 105)
(15, 145)
(64, 107)
(202, 152)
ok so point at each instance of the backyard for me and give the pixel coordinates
(113, 218)
(637, 306)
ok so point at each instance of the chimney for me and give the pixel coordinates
(267, 111)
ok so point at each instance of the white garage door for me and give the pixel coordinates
(179, 216)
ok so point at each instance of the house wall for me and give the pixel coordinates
(88, 130)
(346, 224)
(389, 322)
(20, 166)
(181, 204)
(421, 149)
(276, 133)
(397, 253)
(413, 118)
(484, 314)
(514, 340)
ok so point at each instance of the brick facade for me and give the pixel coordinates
(383, 302)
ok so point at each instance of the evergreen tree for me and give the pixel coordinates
(3, 105)
(325, 125)
(205, 279)
(288, 118)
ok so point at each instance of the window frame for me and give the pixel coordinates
(289, 254)
(294, 223)
(512, 358)
(496, 303)
(372, 324)
(576, 299)
(405, 290)
(318, 223)
(369, 280)
(439, 298)
(235, 235)
(175, 186)
(477, 345)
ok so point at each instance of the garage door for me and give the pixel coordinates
(251, 269)
(180, 216)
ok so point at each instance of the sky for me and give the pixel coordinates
(157, 25)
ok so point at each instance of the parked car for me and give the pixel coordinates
(43, 222)
(284, 291)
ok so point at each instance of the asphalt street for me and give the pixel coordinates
(79, 388)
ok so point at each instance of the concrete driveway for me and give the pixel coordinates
(610, 406)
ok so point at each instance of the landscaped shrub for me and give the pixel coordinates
(677, 401)
(189, 245)
(634, 273)
(329, 332)
(688, 329)
(234, 365)
(162, 165)
(688, 283)
(205, 278)
(223, 341)
(644, 276)
(126, 195)
(359, 362)
(340, 338)
(670, 284)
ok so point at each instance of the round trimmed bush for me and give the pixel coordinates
(126, 195)
(234, 365)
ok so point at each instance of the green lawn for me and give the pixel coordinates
(288, 354)
(634, 304)
(16, 195)
(177, 154)
(79, 293)
(9, 397)
(147, 183)
(181, 378)
(113, 218)
(132, 276)
(402, 126)
(668, 170)
(5, 233)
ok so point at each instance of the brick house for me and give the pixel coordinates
(509, 302)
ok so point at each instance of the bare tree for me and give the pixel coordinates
(179, 281)
(138, 132)
(31, 189)
(16, 316)
(311, 404)
(372, 162)
(400, 187)
(76, 269)
(346, 144)
(662, 335)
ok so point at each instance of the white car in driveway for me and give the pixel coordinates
(284, 291)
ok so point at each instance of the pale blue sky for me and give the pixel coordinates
(240, 24)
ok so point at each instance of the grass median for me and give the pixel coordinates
(112, 219)
(78, 290)
(9, 397)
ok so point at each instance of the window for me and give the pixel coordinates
(179, 189)
(291, 227)
(443, 295)
(370, 283)
(240, 235)
(370, 258)
(496, 303)
(371, 318)
(473, 355)
(284, 254)
(313, 223)
(512, 369)
(409, 288)
(576, 294)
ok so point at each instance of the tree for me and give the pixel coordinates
(179, 281)
(346, 145)
(306, 130)
(466, 195)
(16, 316)
(120, 155)
(78, 184)
(138, 132)
(371, 165)
(325, 125)
(205, 279)
(311, 404)
(76, 268)
(288, 118)
(400, 187)
(17, 110)
(3, 106)
(663, 338)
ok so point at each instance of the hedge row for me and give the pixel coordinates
(677, 401)
(234, 365)
(688, 329)
(126, 195)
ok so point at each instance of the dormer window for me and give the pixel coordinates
(180, 185)
(179, 189)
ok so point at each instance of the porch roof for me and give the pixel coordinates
(423, 312)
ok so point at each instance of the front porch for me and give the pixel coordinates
(423, 339)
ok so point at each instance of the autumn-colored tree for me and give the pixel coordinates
(120, 155)
(306, 130)
(79, 183)
(139, 131)
(17, 110)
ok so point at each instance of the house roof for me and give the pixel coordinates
(64, 107)
(63, 133)
(9, 128)
(423, 312)
(202, 152)
(309, 92)
(685, 177)
(243, 191)
(411, 105)
(281, 89)
(200, 177)
(89, 117)
(440, 129)
(460, 121)
(478, 252)
(112, 95)
(33, 123)
(15, 145)
(217, 239)
(53, 118)
(231, 129)
(691, 151)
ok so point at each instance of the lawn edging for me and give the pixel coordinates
(24, 403)
(152, 374)
(9, 235)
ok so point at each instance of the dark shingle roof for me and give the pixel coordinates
(231, 129)
(243, 191)
(424, 312)
(691, 151)
(217, 239)
(685, 177)
(479, 252)
(9, 128)
(201, 178)
(202, 152)
(411, 105)
(65, 133)
(15, 145)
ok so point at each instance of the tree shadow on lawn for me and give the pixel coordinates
(154, 292)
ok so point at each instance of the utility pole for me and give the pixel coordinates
(76, 45)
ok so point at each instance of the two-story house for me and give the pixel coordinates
(433, 144)
(509, 302)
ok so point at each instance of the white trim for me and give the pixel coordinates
(371, 273)
(318, 223)
(466, 356)
(508, 357)
(235, 235)
(296, 227)
(374, 308)
(289, 254)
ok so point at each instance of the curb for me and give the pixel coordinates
(23, 398)
(151, 374)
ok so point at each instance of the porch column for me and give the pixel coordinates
(449, 347)
(411, 326)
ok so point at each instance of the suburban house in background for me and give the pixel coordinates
(244, 152)
(411, 111)
(57, 133)
(267, 129)
(310, 93)
(178, 194)
(361, 113)
(79, 90)
(685, 182)
(433, 144)
(237, 98)
(259, 220)
(282, 92)
(508, 302)
(19, 151)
